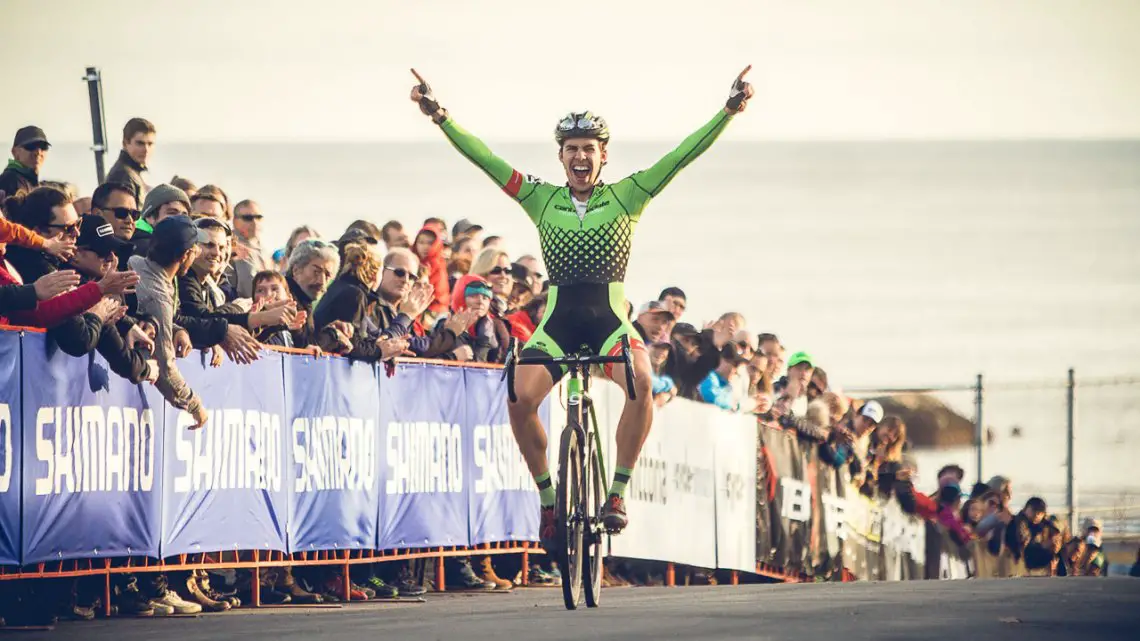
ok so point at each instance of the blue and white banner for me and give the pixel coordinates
(422, 471)
(91, 486)
(503, 503)
(735, 439)
(10, 448)
(332, 406)
(225, 486)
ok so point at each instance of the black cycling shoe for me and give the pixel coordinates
(613, 514)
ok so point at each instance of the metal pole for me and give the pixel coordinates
(979, 427)
(1070, 491)
(98, 126)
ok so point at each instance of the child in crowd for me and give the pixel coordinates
(270, 287)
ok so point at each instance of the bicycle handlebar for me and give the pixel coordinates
(577, 360)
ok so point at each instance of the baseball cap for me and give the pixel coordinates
(162, 194)
(477, 287)
(177, 233)
(654, 307)
(801, 357)
(207, 222)
(464, 226)
(873, 411)
(1094, 523)
(97, 235)
(30, 135)
(684, 329)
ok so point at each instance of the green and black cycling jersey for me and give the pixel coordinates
(585, 255)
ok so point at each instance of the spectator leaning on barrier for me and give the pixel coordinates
(695, 354)
(29, 153)
(161, 202)
(654, 322)
(249, 257)
(341, 316)
(126, 347)
(717, 386)
(487, 337)
(115, 203)
(174, 247)
(199, 299)
(312, 265)
(270, 291)
(138, 143)
(48, 212)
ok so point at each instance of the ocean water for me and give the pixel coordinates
(893, 263)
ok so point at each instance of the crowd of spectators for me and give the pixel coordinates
(146, 274)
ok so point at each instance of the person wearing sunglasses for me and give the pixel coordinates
(249, 256)
(115, 203)
(29, 153)
(585, 228)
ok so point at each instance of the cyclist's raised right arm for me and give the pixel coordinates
(513, 182)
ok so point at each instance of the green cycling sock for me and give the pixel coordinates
(546, 495)
(621, 478)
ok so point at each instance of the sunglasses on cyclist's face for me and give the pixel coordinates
(402, 273)
(249, 218)
(123, 213)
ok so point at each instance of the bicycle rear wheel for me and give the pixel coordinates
(595, 535)
(571, 523)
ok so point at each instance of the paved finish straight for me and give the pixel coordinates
(998, 610)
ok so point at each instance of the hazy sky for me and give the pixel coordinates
(337, 69)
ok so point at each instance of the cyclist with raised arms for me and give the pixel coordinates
(586, 231)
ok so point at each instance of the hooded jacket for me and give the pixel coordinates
(522, 326)
(437, 274)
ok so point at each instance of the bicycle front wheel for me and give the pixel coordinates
(571, 523)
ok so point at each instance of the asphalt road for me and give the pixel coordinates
(999, 610)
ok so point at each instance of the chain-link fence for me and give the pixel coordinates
(1025, 436)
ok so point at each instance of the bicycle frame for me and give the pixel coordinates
(578, 391)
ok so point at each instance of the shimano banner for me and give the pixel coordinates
(93, 445)
(10, 448)
(735, 436)
(671, 495)
(332, 408)
(225, 486)
(422, 475)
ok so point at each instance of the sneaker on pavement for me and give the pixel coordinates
(487, 573)
(272, 596)
(74, 612)
(160, 609)
(537, 576)
(334, 591)
(302, 596)
(382, 589)
(179, 605)
(203, 578)
(548, 530)
(613, 514)
(468, 580)
(407, 584)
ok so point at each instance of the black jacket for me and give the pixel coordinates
(127, 171)
(489, 340)
(15, 181)
(130, 364)
(304, 336)
(17, 298)
(348, 300)
(198, 315)
(437, 344)
(688, 372)
(78, 335)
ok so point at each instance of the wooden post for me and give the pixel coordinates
(347, 586)
(525, 564)
(107, 589)
(670, 575)
(255, 587)
(440, 584)
(735, 578)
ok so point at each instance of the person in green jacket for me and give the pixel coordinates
(585, 228)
